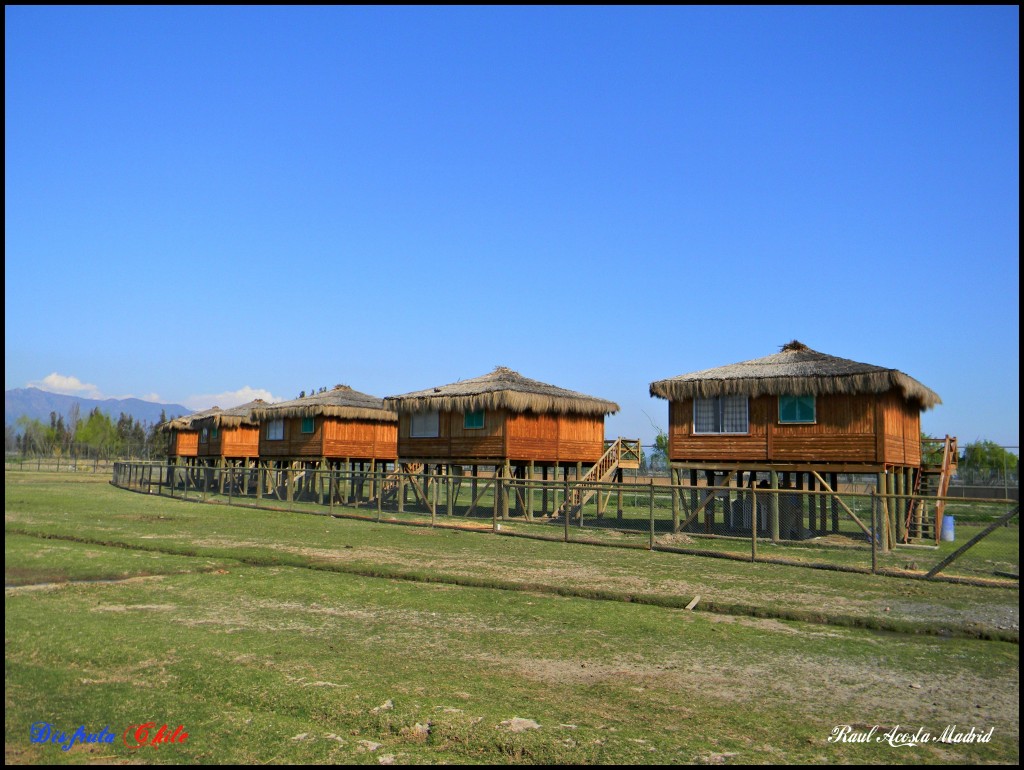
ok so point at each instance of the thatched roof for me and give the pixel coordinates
(501, 389)
(796, 370)
(342, 402)
(185, 421)
(227, 418)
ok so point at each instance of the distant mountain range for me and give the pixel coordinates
(37, 404)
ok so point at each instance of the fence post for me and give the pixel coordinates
(565, 501)
(874, 534)
(650, 491)
(753, 524)
(773, 505)
(673, 481)
(497, 494)
(448, 492)
(432, 502)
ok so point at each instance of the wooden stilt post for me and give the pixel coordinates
(709, 511)
(544, 490)
(400, 496)
(565, 500)
(673, 480)
(801, 503)
(881, 531)
(773, 504)
(900, 505)
(892, 508)
(530, 472)
(448, 489)
(822, 512)
(874, 533)
(834, 483)
(618, 479)
(506, 473)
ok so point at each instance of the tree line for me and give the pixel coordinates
(95, 435)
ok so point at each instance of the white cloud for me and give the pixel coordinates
(229, 398)
(66, 385)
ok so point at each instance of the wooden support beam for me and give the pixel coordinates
(482, 492)
(838, 499)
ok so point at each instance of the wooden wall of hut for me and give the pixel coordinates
(508, 436)
(184, 443)
(332, 437)
(240, 441)
(869, 429)
(359, 438)
(567, 438)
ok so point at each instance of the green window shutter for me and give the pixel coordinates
(473, 420)
(797, 409)
(307, 424)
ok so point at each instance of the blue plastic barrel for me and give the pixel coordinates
(948, 528)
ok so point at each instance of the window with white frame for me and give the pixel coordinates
(473, 420)
(275, 430)
(424, 425)
(721, 414)
(797, 409)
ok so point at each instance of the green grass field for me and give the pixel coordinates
(282, 637)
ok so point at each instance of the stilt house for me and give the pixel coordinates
(337, 424)
(510, 423)
(339, 430)
(801, 414)
(228, 434)
(182, 438)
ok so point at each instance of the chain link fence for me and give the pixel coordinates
(852, 529)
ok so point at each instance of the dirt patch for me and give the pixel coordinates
(678, 538)
(65, 583)
(879, 693)
(134, 607)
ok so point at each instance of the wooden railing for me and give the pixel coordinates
(392, 480)
(628, 449)
(619, 452)
(939, 458)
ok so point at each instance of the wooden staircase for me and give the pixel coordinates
(389, 487)
(938, 463)
(620, 453)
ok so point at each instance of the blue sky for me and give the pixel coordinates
(207, 204)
